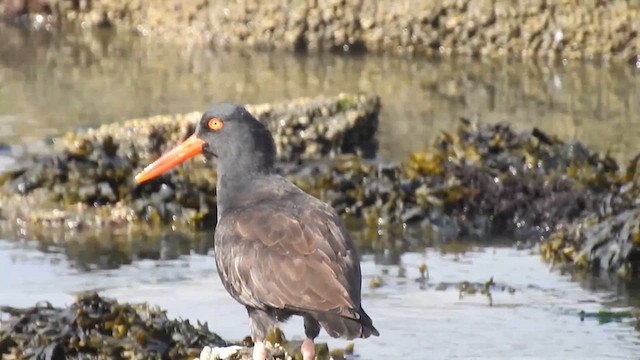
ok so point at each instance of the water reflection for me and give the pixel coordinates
(106, 250)
(111, 248)
(51, 84)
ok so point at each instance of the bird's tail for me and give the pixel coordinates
(338, 326)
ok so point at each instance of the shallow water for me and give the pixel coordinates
(49, 85)
(540, 320)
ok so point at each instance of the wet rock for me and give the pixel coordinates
(106, 192)
(95, 326)
(610, 243)
(88, 193)
(98, 327)
(94, 169)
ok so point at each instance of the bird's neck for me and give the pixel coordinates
(236, 182)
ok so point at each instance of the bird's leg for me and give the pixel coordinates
(259, 350)
(311, 330)
(260, 322)
(308, 349)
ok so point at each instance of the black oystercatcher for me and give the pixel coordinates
(279, 251)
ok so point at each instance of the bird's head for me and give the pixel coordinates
(226, 131)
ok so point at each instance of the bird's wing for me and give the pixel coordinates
(272, 256)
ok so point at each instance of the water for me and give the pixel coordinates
(538, 321)
(51, 84)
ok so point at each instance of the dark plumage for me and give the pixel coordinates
(279, 251)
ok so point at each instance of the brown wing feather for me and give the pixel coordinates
(287, 257)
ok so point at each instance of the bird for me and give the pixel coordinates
(279, 251)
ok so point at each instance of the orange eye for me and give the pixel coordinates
(215, 124)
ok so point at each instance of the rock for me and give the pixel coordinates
(609, 244)
(522, 28)
(94, 326)
(92, 168)
(482, 181)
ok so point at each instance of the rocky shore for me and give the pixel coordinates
(94, 327)
(550, 29)
(88, 180)
(483, 181)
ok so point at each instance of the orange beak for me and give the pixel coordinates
(188, 149)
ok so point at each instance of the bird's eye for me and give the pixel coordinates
(215, 124)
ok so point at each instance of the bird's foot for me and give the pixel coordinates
(308, 349)
(215, 353)
(259, 351)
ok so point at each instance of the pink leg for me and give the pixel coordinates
(308, 349)
(259, 351)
